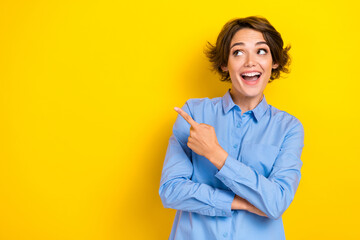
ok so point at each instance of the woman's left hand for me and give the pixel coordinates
(203, 141)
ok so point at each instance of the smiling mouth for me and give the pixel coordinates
(253, 76)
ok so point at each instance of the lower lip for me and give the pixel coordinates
(250, 82)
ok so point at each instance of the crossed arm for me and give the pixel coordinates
(249, 190)
(203, 141)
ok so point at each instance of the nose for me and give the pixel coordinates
(250, 61)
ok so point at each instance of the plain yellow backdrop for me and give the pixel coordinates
(87, 90)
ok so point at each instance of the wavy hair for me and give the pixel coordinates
(218, 54)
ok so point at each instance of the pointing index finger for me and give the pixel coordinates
(186, 117)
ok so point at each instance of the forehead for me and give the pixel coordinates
(247, 36)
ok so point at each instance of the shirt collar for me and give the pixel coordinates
(258, 111)
(227, 102)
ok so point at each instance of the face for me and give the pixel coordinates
(249, 64)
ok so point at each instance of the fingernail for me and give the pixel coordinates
(176, 108)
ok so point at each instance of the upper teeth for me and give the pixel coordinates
(251, 74)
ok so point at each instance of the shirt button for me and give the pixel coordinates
(238, 125)
(225, 234)
(235, 146)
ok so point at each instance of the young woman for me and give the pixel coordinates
(233, 164)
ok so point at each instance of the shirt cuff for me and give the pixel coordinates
(223, 201)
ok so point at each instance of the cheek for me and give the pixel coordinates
(267, 63)
(235, 63)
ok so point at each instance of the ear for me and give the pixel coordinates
(275, 65)
(224, 68)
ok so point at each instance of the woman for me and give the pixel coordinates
(233, 164)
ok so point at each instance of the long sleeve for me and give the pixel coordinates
(263, 167)
(273, 194)
(177, 190)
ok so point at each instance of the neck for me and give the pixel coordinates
(245, 103)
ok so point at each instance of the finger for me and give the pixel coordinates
(186, 117)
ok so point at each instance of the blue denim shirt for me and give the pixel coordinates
(263, 167)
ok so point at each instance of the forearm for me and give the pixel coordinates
(184, 194)
(271, 195)
(218, 157)
(254, 187)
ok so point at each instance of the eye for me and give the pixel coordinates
(262, 51)
(237, 53)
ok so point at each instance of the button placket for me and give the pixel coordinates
(236, 132)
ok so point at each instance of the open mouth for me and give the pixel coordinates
(251, 77)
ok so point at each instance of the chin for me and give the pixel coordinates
(247, 91)
(251, 94)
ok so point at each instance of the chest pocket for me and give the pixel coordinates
(260, 157)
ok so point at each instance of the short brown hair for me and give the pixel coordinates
(219, 54)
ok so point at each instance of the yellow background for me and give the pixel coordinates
(87, 90)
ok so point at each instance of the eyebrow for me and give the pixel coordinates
(242, 44)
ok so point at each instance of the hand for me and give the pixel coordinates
(203, 141)
(240, 203)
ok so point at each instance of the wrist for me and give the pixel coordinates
(218, 157)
